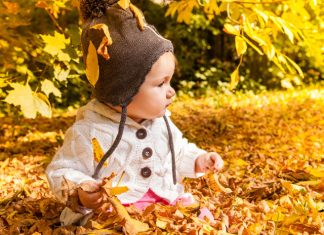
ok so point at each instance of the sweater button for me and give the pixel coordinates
(147, 153)
(146, 172)
(141, 133)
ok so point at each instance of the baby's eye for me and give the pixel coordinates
(161, 84)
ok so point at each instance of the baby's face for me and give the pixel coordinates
(156, 92)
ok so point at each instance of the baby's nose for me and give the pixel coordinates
(170, 93)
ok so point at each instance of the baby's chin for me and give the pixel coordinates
(159, 115)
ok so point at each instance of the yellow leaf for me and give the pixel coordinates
(22, 96)
(161, 224)
(124, 4)
(48, 88)
(101, 232)
(139, 16)
(92, 66)
(60, 73)
(42, 105)
(264, 16)
(97, 151)
(291, 219)
(62, 56)
(241, 162)
(240, 45)
(255, 228)
(23, 69)
(292, 188)
(228, 28)
(172, 9)
(29, 102)
(317, 172)
(212, 9)
(287, 30)
(270, 51)
(108, 222)
(252, 45)
(235, 78)
(118, 190)
(106, 40)
(300, 72)
(131, 226)
(55, 44)
(4, 44)
(215, 185)
(277, 217)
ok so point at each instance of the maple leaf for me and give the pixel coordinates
(55, 44)
(60, 74)
(29, 101)
(48, 88)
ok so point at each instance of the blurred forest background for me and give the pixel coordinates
(250, 86)
(221, 47)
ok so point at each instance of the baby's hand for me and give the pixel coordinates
(209, 161)
(90, 194)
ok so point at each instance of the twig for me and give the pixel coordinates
(54, 21)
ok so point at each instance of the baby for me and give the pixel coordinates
(130, 66)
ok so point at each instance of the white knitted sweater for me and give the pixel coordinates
(75, 159)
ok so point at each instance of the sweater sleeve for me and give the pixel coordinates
(185, 153)
(73, 161)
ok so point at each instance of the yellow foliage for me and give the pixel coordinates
(259, 26)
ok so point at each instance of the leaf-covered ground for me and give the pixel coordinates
(273, 181)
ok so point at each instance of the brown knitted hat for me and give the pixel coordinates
(119, 49)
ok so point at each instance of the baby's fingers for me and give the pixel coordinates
(90, 200)
(218, 162)
(90, 186)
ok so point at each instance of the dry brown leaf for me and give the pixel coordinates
(131, 226)
(215, 185)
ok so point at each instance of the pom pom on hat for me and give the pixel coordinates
(94, 8)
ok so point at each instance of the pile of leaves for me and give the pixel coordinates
(272, 183)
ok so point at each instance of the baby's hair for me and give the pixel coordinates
(94, 8)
